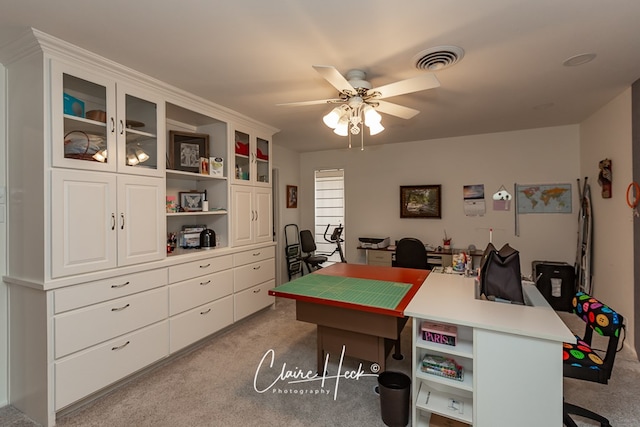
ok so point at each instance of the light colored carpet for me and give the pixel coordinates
(214, 385)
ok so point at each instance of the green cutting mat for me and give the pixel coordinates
(373, 293)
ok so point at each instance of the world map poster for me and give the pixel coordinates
(547, 198)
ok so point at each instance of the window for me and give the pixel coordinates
(329, 203)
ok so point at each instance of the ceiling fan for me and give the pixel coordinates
(360, 101)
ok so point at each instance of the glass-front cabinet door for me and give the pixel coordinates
(101, 124)
(251, 159)
(83, 119)
(242, 155)
(263, 165)
(140, 132)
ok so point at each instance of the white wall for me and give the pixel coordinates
(3, 249)
(607, 134)
(373, 178)
(287, 163)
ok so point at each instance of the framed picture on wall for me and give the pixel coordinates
(420, 201)
(186, 149)
(292, 196)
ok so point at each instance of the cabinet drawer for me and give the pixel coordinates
(194, 292)
(189, 327)
(91, 325)
(249, 275)
(253, 299)
(380, 256)
(248, 257)
(107, 289)
(383, 258)
(189, 270)
(86, 372)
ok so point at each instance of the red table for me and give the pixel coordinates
(367, 332)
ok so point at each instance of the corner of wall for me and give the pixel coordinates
(4, 309)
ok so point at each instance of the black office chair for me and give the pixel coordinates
(411, 253)
(308, 246)
(583, 362)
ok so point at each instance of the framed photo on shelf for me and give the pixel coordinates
(186, 149)
(420, 201)
(191, 201)
(292, 196)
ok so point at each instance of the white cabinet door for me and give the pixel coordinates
(100, 220)
(243, 214)
(83, 222)
(251, 159)
(252, 219)
(263, 220)
(141, 219)
(140, 132)
(78, 137)
(101, 124)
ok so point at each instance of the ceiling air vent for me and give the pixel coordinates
(438, 58)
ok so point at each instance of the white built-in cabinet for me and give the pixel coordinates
(99, 123)
(88, 179)
(105, 220)
(252, 221)
(252, 158)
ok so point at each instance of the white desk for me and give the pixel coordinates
(511, 353)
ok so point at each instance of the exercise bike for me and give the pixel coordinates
(336, 239)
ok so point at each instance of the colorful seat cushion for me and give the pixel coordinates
(581, 355)
(601, 318)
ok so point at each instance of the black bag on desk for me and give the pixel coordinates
(500, 274)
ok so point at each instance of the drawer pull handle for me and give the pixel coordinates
(256, 291)
(256, 253)
(257, 267)
(205, 312)
(120, 286)
(205, 266)
(120, 308)
(120, 347)
(205, 283)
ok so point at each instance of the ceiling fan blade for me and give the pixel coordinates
(396, 110)
(334, 77)
(316, 102)
(415, 84)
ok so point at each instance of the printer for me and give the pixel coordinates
(374, 242)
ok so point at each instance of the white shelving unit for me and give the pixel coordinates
(434, 394)
(495, 342)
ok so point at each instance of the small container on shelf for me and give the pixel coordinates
(439, 333)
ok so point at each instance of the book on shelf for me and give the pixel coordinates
(442, 366)
(437, 420)
(439, 333)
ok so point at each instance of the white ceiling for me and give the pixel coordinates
(249, 55)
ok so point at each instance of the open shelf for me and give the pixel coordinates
(439, 402)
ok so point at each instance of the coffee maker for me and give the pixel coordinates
(207, 238)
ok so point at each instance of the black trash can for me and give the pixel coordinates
(395, 393)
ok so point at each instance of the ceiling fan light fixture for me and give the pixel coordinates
(342, 128)
(375, 128)
(371, 116)
(333, 117)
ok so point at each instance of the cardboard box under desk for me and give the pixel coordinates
(440, 421)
